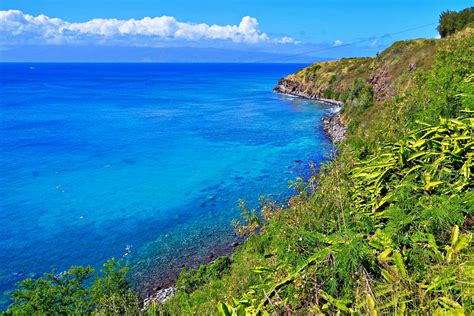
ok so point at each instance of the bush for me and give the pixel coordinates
(190, 280)
(451, 22)
(386, 227)
(111, 294)
(62, 294)
(78, 291)
(360, 96)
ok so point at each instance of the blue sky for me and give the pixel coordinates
(308, 29)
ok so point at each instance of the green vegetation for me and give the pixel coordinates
(190, 280)
(389, 74)
(384, 228)
(451, 22)
(78, 291)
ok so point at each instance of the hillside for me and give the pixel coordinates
(386, 226)
(389, 73)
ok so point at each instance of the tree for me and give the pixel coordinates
(77, 292)
(111, 293)
(62, 294)
(451, 22)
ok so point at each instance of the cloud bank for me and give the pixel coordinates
(18, 28)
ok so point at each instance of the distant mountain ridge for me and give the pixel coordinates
(47, 53)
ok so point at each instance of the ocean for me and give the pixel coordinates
(146, 162)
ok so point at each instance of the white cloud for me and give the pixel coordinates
(338, 43)
(19, 28)
(286, 40)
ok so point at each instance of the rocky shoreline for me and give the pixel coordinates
(160, 296)
(333, 126)
(292, 87)
(163, 288)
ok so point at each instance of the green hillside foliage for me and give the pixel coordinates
(451, 22)
(389, 73)
(78, 291)
(385, 227)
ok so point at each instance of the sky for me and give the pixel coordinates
(210, 30)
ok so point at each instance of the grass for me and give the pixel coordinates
(386, 226)
(389, 72)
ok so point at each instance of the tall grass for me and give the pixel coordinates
(386, 226)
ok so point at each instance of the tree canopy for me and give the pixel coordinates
(451, 22)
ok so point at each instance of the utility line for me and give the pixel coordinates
(343, 45)
(252, 96)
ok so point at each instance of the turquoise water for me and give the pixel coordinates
(98, 157)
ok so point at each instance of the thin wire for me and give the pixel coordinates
(343, 45)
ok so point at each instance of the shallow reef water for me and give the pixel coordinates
(142, 161)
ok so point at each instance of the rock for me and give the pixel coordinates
(381, 83)
(334, 128)
(469, 222)
(332, 124)
(291, 87)
(160, 296)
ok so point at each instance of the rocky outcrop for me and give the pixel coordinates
(160, 296)
(334, 128)
(293, 87)
(381, 83)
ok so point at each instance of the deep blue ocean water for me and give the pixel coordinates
(95, 157)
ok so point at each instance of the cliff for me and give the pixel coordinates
(334, 83)
(389, 73)
(385, 227)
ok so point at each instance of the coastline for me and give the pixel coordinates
(160, 289)
(294, 88)
(334, 129)
(333, 126)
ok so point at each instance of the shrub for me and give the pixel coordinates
(360, 96)
(78, 291)
(56, 294)
(451, 22)
(190, 280)
(111, 294)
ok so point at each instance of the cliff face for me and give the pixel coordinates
(372, 229)
(389, 73)
(294, 87)
(359, 82)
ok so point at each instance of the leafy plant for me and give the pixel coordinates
(77, 291)
(451, 22)
(190, 280)
(374, 270)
